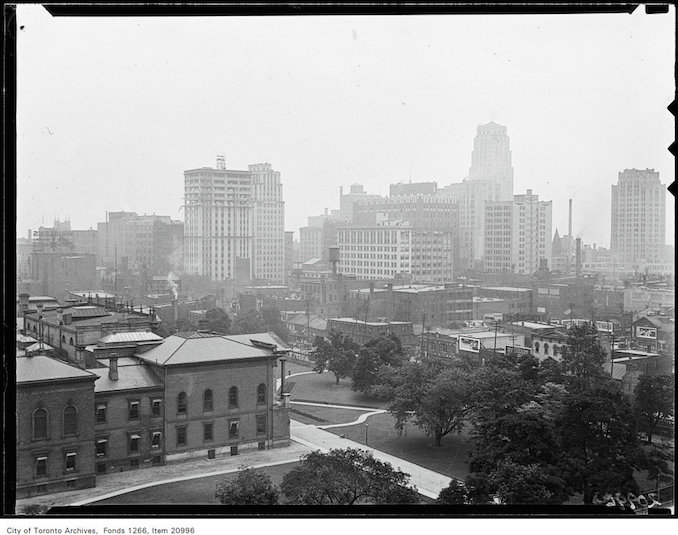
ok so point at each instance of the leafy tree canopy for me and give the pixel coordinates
(583, 356)
(218, 321)
(436, 393)
(336, 353)
(248, 487)
(346, 477)
(385, 350)
(653, 401)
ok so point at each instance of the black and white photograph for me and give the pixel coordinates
(391, 261)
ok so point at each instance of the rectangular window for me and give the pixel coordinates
(208, 432)
(102, 447)
(41, 467)
(134, 443)
(233, 428)
(101, 413)
(261, 424)
(133, 410)
(181, 436)
(70, 462)
(156, 439)
(155, 407)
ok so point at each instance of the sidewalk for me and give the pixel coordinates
(112, 484)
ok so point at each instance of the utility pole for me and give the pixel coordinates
(496, 325)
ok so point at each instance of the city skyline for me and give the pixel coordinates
(326, 108)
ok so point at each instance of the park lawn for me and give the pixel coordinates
(450, 459)
(324, 415)
(322, 388)
(191, 491)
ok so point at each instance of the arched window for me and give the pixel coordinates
(71, 341)
(207, 401)
(63, 338)
(261, 394)
(536, 347)
(39, 424)
(70, 420)
(182, 403)
(546, 349)
(233, 398)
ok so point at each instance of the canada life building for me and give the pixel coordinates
(234, 222)
(639, 219)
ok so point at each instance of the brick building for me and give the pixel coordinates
(363, 331)
(219, 393)
(55, 426)
(129, 402)
(193, 395)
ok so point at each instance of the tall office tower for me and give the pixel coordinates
(639, 218)
(491, 158)
(218, 227)
(289, 254)
(517, 234)
(268, 248)
(392, 248)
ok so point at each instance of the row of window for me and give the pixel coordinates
(208, 399)
(41, 422)
(41, 464)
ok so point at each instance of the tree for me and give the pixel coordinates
(218, 321)
(272, 321)
(435, 393)
(385, 350)
(654, 396)
(598, 441)
(455, 493)
(346, 477)
(336, 353)
(514, 484)
(249, 322)
(248, 487)
(583, 356)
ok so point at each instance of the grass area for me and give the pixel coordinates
(413, 445)
(322, 388)
(192, 491)
(324, 415)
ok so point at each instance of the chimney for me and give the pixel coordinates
(23, 302)
(68, 318)
(334, 259)
(113, 367)
(60, 315)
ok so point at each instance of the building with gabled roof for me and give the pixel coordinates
(54, 426)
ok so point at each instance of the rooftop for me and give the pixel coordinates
(533, 325)
(129, 378)
(42, 368)
(506, 288)
(373, 323)
(194, 347)
(130, 337)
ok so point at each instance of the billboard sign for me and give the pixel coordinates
(646, 332)
(604, 326)
(469, 344)
(518, 350)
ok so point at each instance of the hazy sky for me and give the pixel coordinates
(111, 111)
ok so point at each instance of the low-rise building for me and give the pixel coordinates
(363, 331)
(54, 426)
